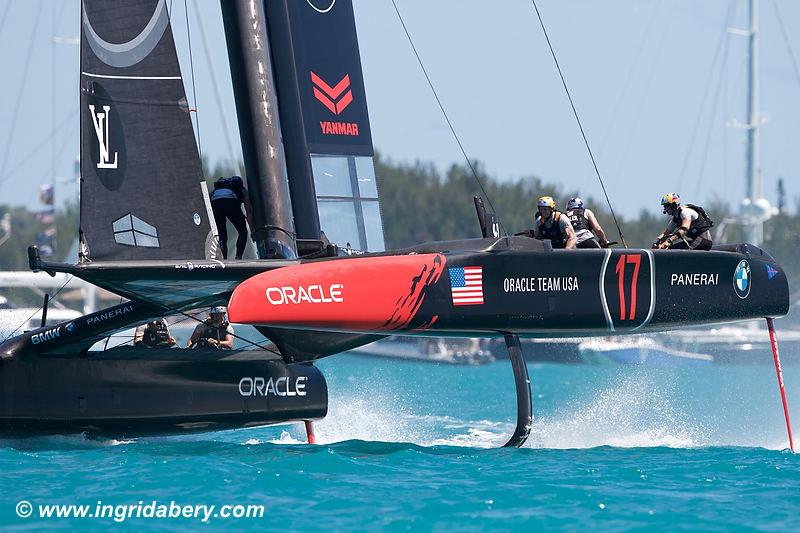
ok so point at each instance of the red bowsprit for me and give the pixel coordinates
(370, 294)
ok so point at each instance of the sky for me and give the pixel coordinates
(660, 87)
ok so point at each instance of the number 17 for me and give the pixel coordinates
(627, 259)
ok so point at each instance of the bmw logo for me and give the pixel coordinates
(741, 279)
(70, 327)
(196, 219)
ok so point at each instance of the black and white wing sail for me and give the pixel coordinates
(143, 195)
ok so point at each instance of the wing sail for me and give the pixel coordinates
(143, 195)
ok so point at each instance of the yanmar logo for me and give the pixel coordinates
(329, 95)
(335, 99)
(313, 294)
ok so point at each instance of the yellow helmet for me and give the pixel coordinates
(671, 198)
(546, 201)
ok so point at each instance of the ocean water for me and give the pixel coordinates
(414, 446)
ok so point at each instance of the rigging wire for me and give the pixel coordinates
(53, 94)
(5, 14)
(217, 93)
(646, 35)
(187, 316)
(631, 132)
(787, 41)
(194, 88)
(446, 117)
(35, 151)
(580, 126)
(723, 40)
(69, 278)
(24, 79)
(719, 90)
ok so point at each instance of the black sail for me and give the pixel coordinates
(143, 195)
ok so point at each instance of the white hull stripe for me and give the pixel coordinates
(607, 313)
(110, 77)
(652, 290)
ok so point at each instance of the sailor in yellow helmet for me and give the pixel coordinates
(688, 229)
(552, 225)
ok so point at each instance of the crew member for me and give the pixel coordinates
(552, 225)
(688, 229)
(154, 334)
(226, 200)
(214, 332)
(584, 223)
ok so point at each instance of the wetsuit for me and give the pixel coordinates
(153, 335)
(214, 331)
(226, 203)
(583, 230)
(698, 237)
(555, 232)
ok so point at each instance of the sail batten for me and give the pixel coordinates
(142, 188)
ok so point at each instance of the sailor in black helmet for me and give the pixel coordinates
(585, 225)
(688, 229)
(214, 332)
(551, 225)
(226, 200)
(154, 334)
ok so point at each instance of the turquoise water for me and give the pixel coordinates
(413, 446)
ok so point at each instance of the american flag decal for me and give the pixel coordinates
(466, 285)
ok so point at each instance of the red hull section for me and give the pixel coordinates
(370, 294)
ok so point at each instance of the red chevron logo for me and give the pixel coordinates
(332, 97)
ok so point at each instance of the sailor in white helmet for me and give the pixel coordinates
(214, 332)
(585, 225)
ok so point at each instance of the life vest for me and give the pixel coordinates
(156, 334)
(578, 219)
(699, 226)
(214, 331)
(234, 183)
(553, 233)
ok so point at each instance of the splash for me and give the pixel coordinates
(640, 410)
(363, 415)
(637, 411)
(62, 442)
(371, 418)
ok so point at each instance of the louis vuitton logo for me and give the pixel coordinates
(100, 122)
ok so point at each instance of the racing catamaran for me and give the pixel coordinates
(323, 283)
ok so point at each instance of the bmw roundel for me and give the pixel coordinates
(741, 279)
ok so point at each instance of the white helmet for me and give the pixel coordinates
(574, 203)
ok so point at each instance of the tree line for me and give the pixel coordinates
(421, 204)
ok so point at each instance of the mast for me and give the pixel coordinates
(259, 127)
(755, 187)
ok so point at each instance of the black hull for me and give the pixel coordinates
(130, 392)
(514, 288)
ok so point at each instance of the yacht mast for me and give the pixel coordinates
(755, 212)
(259, 127)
